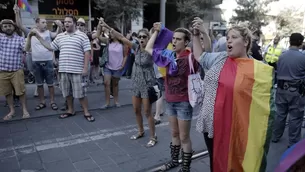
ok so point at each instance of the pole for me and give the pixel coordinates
(162, 11)
(89, 21)
(304, 20)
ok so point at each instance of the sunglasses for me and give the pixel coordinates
(80, 25)
(142, 36)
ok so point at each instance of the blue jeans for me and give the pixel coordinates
(43, 71)
(113, 73)
(181, 110)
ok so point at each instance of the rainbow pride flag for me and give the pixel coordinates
(243, 116)
(23, 4)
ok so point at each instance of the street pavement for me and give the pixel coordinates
(45, 143)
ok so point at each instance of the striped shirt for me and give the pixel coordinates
(72, 48)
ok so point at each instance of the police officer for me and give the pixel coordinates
(290, 91)
(272, 54)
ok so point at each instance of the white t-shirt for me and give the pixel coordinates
(39, 52)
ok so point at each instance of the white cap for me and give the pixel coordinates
(81, 20)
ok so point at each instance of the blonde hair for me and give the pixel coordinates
(245, 33)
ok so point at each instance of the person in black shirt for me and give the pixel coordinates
(256, 49)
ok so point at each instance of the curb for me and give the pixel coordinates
(88, 92)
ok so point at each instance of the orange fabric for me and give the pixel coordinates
(238, 147)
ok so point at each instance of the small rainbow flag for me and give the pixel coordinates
(243, 116)
(23, 4)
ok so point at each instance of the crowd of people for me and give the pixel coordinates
(235, 76)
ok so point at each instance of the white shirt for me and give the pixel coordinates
(39, 52)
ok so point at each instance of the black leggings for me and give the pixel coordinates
(111, 88)
(209, 144)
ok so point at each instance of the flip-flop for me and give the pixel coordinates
(89, 118)
(8, 117)
(66, 115)
(25, 115)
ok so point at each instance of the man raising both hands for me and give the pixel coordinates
(74, 47)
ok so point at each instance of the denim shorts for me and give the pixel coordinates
(113, 73)
(43, 71)
(161, 83)
(181, 110)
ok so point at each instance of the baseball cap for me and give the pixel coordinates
(7, 21)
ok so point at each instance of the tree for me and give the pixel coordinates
(253, 13)
(5, 3)
(289, 20)
(119, 12)
(189, 9)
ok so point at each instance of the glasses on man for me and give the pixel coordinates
(142, 36)
(80, 25)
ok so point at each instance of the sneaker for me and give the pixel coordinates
(105, 107)
(157, 122)
(111, 96)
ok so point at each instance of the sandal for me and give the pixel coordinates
(137, 136)
(152, 142)
(25, 115)
(54, 106)
(89, 118)
(40, 106)
(8, 117)
(66, 115)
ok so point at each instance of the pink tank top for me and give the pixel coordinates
(115, 56)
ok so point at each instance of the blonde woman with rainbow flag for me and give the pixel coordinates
(237, 114)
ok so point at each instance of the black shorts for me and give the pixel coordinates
(96, 55)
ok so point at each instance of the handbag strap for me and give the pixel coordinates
(191, 65)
